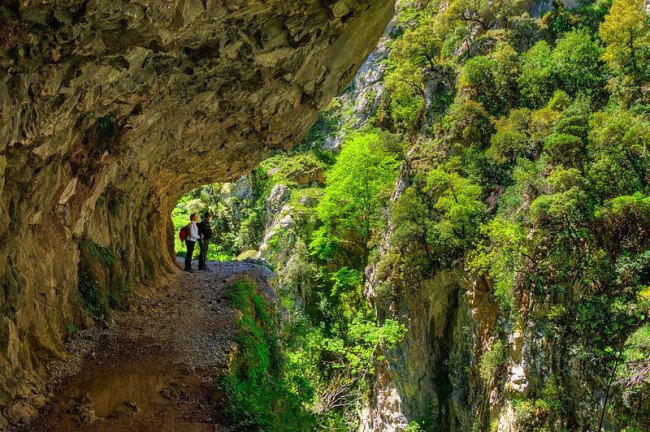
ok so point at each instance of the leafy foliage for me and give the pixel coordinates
(356, 187)
(523, 147)
(258, 393)
(626, 33)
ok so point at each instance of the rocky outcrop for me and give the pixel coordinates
(111, 110)
(367, 92)
(464, 365)
(433, 375)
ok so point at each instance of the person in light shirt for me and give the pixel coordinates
(192, 237)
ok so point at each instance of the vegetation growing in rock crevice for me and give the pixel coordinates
(101, 288)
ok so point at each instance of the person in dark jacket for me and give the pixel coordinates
(205, 231)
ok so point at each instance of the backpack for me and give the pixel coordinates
(182, 234)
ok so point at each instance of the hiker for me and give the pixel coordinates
(205, 231)
(192, 237)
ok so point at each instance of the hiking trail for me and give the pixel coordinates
(153, 368)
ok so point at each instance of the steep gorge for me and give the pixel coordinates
(514, 246)
(110, 111)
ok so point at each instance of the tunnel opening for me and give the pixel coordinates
(280, 216)
(238, 217)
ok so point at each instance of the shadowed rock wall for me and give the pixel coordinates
(111, 110)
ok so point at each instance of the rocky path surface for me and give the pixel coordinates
(153, 369)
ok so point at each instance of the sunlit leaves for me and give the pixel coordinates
(537, 73)
(459, 203)
(353, 195)
(626, 33)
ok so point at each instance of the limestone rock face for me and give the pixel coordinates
(111, 110)
(278, 197)
(429, 376)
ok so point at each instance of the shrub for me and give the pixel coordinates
(578, 65)
(477, 81)
(468, 123)
(564, 149)
(625, 221)
(493, 362)
(257, 394)
(537, 75)
(512, 139)
(560, 210)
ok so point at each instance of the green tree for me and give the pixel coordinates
(563, 149)
(349, 209)
(566, 145)
(574, 120)
(419, 46)
(537, 75)
(477, 82)
(414, 231)
(561, 211)
(541, 122)
(626, 33)
(459, 205)
(505, 75)
(623, 221)
(406, 85)
(469, 123)
(337, 367)
(523, 32)
(483, 14)
(512, 137)
(578, 64)
(619, 154)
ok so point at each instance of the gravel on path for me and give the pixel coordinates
(153, 368)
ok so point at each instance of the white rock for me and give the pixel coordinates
(278, 196)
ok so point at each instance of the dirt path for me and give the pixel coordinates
(153, 369)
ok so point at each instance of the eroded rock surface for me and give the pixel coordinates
(111, 110)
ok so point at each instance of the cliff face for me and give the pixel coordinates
(465, 364)
(111, 110)
(431, 377)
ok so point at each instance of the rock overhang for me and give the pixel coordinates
(111, 110)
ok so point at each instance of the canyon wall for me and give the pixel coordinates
(110, 111)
